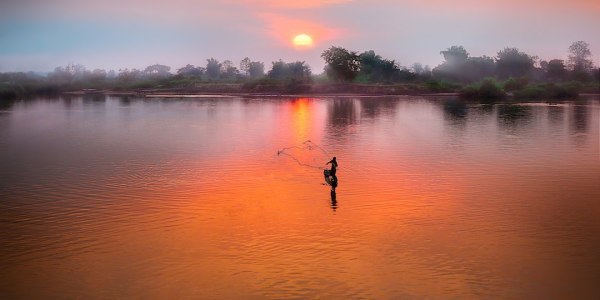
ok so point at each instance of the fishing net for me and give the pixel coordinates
(307, 154)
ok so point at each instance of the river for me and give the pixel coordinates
(224, 198)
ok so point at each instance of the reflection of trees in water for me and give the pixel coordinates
(485, 109)
(125, 100)
(341, 112)
(372, 108)
(514, 115)
(6, 104)
(556, 114)
(455, 111)
(94, 98)
(579, 119)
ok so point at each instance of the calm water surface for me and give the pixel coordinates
(188, 198)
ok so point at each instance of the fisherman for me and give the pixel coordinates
(334, 166)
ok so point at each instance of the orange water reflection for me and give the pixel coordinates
(190, 199)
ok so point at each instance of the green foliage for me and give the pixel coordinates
(580, 57)
(298, 70)
(8, 92)
(270, 85)
(550, 91)
(488, 88)
(256, 69)
(458, 66)
(455, 55)
(213, 68)
(510, 62)
(157, 71)
(440, 86)
(342, 65)
(514, 84)
(555, 70)
(375, 69)
(190, 71)
(530, 92)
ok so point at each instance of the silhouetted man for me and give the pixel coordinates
(334, 166)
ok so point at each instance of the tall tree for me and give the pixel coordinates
(245, 66)
(298, 70)
(213, 68)
(191, 71)
(228, 70)
(452, 68)
(342, 64)
(157, 70)
(256, 69)
(555, 70)
(377, 69)
(580, 57)
(510, 62)
(455, 55)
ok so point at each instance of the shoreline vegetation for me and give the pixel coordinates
(511, 73)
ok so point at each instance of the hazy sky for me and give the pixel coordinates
(113, 34)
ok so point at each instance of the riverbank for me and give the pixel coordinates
(274, 89)
(215, 89)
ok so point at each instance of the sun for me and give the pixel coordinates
(303, 40)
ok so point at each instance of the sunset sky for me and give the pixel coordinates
(40, 35)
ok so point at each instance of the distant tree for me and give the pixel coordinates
(67, 74)
(376, 69)
(298, 70)
(426, 71)
(190, 71)
(256, 69)
(455, 55)
(476, 68)
(157, 71)
(555, 70)
(97, 76)
(391, 71)
(452, 68)
(400, 73)
(252, 69)
(341, 64)
(417, 68)
(245, 66)
(278, 70)
(213, 68)
(579, 61)
(580, 57)
(228, 70)
(510, 62)
(126, 75)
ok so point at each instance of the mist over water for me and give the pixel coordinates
(106, 197)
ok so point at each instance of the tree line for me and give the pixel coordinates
(458, 69)
(459, 66)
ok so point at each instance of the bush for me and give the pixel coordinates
(530, 92)
(295, 86)
(550, 91)
(488, 88)
(7, 94)
(441, 86)
(514, 84)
